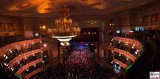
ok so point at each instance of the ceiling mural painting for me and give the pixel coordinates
(49, 7)
(46, 7)
(22, 5)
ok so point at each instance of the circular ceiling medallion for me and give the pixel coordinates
(24, 5)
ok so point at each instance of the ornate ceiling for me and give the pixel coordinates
(35, 8)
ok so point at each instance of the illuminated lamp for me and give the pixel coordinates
(44, 45)
(64, 29)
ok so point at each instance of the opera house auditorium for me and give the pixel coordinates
(79, 39)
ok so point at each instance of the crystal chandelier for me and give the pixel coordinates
(64, 29)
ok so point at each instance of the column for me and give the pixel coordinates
(61, 54)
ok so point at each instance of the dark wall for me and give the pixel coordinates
(87, 34)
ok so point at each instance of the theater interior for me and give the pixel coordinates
(79, 39)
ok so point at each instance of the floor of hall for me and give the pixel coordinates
(80, 63)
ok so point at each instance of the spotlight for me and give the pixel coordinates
(42, 61)
(117, 63)
(6, 57)
(25, 57)
(12, 69)
(68, 44)
(126, 58)
(34, 65)
(44, 45)
(18, 62)
(136, 52)
(36, 34)
(24, 44)
(112, 62)
(112, 40)
(5, 64)
(112, 51)
(10, 51)
(86, 44)
(43, 27)
(62, 44)
(27, 69)
(33, 55)
(133, 46)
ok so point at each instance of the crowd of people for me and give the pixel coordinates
(79, 57)
(80, 63)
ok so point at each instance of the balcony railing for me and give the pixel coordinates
(28, 65)
(27, 54)
(125, 53)
(33, 73)
(17, 44)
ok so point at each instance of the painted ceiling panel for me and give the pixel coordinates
(21, 5)
(77, 7)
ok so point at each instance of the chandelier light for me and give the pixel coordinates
(64, 29)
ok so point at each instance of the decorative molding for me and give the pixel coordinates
(120, 63)
(27, 54)
(103, 9)
(12, 45)
(127, 54)
(24, 5)
(33, 73)
(28, 65)
(129, 41)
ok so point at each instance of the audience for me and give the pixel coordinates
(79, 64)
